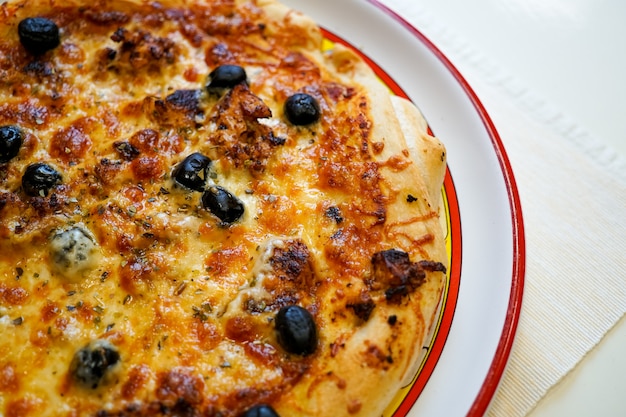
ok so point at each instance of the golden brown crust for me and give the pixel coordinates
(340, 217)
(427, 151)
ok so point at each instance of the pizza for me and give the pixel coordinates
(205, 212)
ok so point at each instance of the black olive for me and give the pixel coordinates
(11, 139)
(191, 172)
(262, 410)
(302, 109)
(38, 34)
(296, 330)
(223, 204)
(92, 362)
(39, 178)
(226, 76)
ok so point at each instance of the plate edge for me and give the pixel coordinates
(505, 344)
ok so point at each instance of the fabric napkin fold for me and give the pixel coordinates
(573, 195)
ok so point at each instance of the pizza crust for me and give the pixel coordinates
(427, 151)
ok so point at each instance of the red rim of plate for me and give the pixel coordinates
(503, 350)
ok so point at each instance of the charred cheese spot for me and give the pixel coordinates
(150, 168)
(9, 380)
(138, 376)
(187, 101)
(363, 306)
(142, 50)
(179, 385)
(280, 214)
(147, 141)
(284, 275)
(349, 247)
(224, 263)
(247, 142)
(49, 311)
(171, 112)
(106, 170)
(137, 273)
(206, 333)
(291, 266)
(395, 274)
(27, 406)
(241, 329)
(12, 295)
(73, 142)
(375, 357)
(105, 18)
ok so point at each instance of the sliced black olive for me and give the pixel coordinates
(262, 410)
(223, 204)
(92, 363)
(296, 329)
(302, 109)
(226, 76)
(11, 139)
(38, 34)
(39, 178)
(192, 171)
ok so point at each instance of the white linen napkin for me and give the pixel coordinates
(575, 284)
(573, 196)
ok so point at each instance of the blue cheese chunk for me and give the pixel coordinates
(73, 251)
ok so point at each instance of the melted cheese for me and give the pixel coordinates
(162, 279)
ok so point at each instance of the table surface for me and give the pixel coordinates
(570, 53)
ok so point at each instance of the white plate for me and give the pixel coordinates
(474, 355)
